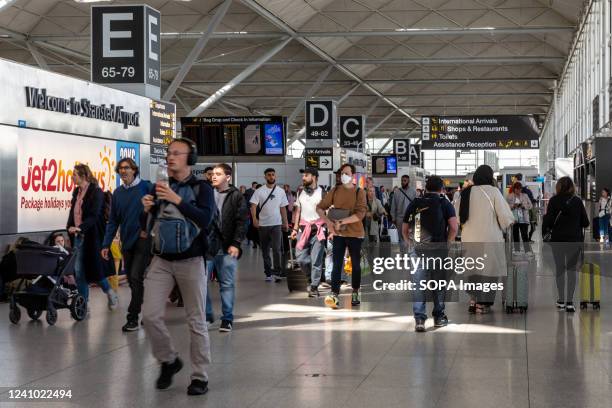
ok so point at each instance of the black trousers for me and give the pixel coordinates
(567, 257)
(524, 235)
(136, 261)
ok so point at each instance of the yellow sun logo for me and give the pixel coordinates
(109, 165)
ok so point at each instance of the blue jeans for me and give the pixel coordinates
(310, 259)
(419, 304)
(79, 271)
(604, 225)
(225, 265)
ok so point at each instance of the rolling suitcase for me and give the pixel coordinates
(516, 290)
(296, 280)
(590, 286)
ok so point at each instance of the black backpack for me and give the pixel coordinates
(428, 219)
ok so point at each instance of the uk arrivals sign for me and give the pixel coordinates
(44, 169)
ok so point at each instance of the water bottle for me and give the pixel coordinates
(162, 174)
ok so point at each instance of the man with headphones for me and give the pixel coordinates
(308, 228)
(179, 215)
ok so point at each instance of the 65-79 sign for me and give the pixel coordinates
(125, 45)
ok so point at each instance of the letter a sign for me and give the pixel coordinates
(320, 120)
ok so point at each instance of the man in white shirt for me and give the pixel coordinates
(308, 227)
(402, 198)
(269, 212)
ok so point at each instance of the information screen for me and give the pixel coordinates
(384, 165)
(236, 136)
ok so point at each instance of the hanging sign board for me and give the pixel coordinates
(352, 131)
(480, 132)
(320, 120)
(319, 158)
(401, 148)
(415, 155)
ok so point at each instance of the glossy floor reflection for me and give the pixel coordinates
(289, 351)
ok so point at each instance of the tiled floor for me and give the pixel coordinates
(289, 351)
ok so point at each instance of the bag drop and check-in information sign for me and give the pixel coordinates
(320, 120)
(501, 132)
(319, 158)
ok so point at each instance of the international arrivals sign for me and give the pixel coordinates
(501, 132)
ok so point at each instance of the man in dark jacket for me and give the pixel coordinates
(125, 213)
(182, 203)
(232, 217)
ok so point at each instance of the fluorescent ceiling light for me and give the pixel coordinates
(6, 3)
(92, 1)
(404, 30)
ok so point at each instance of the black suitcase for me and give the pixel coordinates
(296, 280)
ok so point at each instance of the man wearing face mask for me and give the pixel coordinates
(308, 228)
(347, 207)
(401, 200)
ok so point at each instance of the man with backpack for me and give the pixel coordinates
(432, 221)
(125, 212)
(179, 215)
(269, 215)
(402, 198)
(224, 239)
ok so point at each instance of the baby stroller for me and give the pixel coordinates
(46, 266)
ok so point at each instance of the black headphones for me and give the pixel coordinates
(192, 158)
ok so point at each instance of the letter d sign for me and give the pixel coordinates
(320, 120)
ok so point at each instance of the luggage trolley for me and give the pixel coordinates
(47, 267)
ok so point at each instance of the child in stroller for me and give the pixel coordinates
(50, 269)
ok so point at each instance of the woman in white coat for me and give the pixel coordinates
(484, 215)
(373, 216)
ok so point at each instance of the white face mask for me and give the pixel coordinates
(346, 179)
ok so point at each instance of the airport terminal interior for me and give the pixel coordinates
(311, 143)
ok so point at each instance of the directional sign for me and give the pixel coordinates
(479, 132)
(401, 148)
(352, 131)
(319, 158)
(320, 120)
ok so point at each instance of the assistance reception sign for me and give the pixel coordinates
(44, 173)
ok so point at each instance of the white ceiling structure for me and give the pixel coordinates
(389, 59)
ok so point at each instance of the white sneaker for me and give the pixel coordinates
(113, 299)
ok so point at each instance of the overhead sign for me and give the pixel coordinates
(126, 46)
(352, 130)
(401, 148)
(480, 132)
(233, 136)
(384, 165)
(45, 161)
(163, 129)
(319, 158)
(415, 155)
(320, 120)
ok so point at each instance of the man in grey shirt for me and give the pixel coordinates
(401, 200)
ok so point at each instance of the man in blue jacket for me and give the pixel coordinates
(126, 210)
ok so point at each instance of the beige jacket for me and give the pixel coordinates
(482, 235)
(525, 201)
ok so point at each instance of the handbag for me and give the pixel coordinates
(547, 237)
(336, 214)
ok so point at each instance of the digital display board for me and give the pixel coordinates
(236, 136)
(479, 132)
(384, 165)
